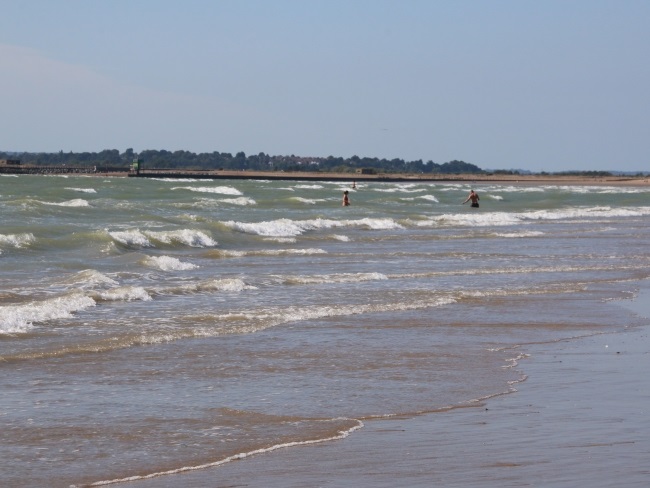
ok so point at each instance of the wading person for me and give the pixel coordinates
(473, 196)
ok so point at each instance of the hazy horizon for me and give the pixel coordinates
(537, 86)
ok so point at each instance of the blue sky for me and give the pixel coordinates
(547, 85)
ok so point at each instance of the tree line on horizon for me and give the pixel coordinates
(186, 160)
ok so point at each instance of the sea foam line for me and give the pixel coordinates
(265, 252)
(336, 278)
(504, 218)
(293, 228)
(77, 202)
(224, 284)
(521, 270)
(82, 190)
(341, 435)
(242, 322)
(224, 190)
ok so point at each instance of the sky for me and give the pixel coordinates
(552, 85)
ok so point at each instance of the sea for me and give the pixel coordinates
(151, 327)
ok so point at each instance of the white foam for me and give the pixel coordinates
(188, 237)
(168, 263)
(340, 435)
(125, 294)
(429, 197)
(375, 224)
(20, 318)
(293, 228)
(206, 202)
(485, 218)
(239, 201)
(131, 238)
(519, 234)
(83, 190)
(336, 278)
(401, 188)
(17, 240)
(582, 212)
(275, 228)
(225, 284)
(391, 190)
(272, 252)
(477, 219)
(309, 201)
(282, 240)
(77, 202)
(451, 187)
(275, 317)
(224, 190)
(516, 189)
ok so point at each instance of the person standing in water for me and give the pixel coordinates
(473, 196)
(346, 198)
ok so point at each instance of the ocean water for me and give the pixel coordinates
(154, 326)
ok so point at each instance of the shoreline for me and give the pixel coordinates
(579, 419)
(405, 178)
(635, 181)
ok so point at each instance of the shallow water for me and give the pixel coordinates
(151, 326)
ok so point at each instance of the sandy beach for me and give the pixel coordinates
(514, 179)
(581, 418)
(469, 178)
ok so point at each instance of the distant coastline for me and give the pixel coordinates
(396, 177)
(469, 178)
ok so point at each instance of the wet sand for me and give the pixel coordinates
(582, 418)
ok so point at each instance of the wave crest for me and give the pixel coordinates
(168, 263)
(20, 318)
(17, 240)
(187, 237)
(293, 228)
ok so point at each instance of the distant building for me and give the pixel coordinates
(136, 165)
(10, 162)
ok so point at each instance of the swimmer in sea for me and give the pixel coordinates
(346, 199)
(473, 196)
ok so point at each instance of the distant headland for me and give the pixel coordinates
(217, 165)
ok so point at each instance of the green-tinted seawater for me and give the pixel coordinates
(148, 326)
